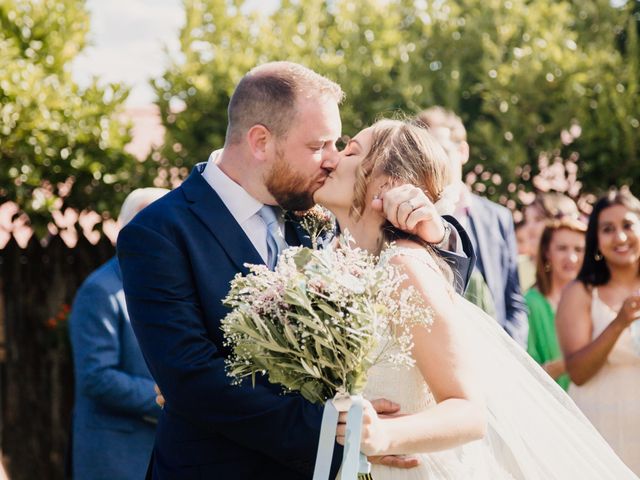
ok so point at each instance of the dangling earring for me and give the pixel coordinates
(597, 256)
(547, 267)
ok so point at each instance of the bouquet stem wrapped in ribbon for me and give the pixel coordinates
(353, 462)
(315, 325)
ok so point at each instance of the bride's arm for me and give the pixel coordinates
(444, 356)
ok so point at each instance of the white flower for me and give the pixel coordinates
(320, 320)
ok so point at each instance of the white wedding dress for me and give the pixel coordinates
(535, 431)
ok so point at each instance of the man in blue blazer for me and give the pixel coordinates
(489, 225)
(115, 414)
(179, 255)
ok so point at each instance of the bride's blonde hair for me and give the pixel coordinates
(406, 153)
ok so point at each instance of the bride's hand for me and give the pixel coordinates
(409, 209)
(374, 440)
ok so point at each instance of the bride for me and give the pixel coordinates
(475, 406)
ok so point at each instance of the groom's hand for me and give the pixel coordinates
(383, 406)
(159, 396)
(408, 208)
(396, 461)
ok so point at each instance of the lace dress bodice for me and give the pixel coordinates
(407, 387)
(402, 385)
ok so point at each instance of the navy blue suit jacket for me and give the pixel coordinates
(492, 233)
(115, 411)
(178, 256)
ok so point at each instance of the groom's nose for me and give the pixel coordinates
(330, 158)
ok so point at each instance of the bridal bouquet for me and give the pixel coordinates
(318, 322)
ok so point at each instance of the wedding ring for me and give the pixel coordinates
(410, 204)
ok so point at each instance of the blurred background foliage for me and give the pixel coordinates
(537, 83)
(555, 79)
(60, 146)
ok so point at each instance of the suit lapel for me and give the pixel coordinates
(481, 225)
(295, 235)
(211, 210)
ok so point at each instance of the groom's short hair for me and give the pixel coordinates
(267, 96)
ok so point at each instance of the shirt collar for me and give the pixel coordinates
(241, 205)
(463, 205)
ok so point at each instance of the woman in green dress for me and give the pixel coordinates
(559, 258)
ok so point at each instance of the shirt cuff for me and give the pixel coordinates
(451, 241)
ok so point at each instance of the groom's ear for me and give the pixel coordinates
(259, 137)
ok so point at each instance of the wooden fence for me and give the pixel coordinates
(36, 371)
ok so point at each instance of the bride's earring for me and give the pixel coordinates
(378, 195)
(597, 256)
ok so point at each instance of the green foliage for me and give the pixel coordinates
(609, 110)
(518, 73)
(320, 320)
(60, 146)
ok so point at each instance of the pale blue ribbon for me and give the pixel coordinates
(353, 462)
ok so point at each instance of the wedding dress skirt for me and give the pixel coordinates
(534, 430)
(407, 387)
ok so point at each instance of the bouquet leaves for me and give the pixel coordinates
(318, 322)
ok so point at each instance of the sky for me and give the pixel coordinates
(127, 41)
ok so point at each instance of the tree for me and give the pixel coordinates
(61, 150)
(610, 107)
(520, 73)
(60, 146)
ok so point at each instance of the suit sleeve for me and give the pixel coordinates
(166, 315)
(94, 327)
(517, 323)
(461, 265)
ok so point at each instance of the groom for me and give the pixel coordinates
(179, 255)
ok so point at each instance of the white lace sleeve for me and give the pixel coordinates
(421, 256)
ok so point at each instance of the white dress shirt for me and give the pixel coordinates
(242, 206)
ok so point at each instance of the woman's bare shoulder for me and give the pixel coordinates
(577, 290)
(575, 297)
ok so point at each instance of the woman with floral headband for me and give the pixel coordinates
(474, 405)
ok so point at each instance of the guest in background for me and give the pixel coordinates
(526, 267)
(522, 238)
(489, 225)
(559, 261)
(545, 207)
(115, 412)
(593, 322)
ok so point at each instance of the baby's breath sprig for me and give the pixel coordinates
(317, 222)
(318, 322)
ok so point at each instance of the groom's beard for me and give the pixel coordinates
(291, 190)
